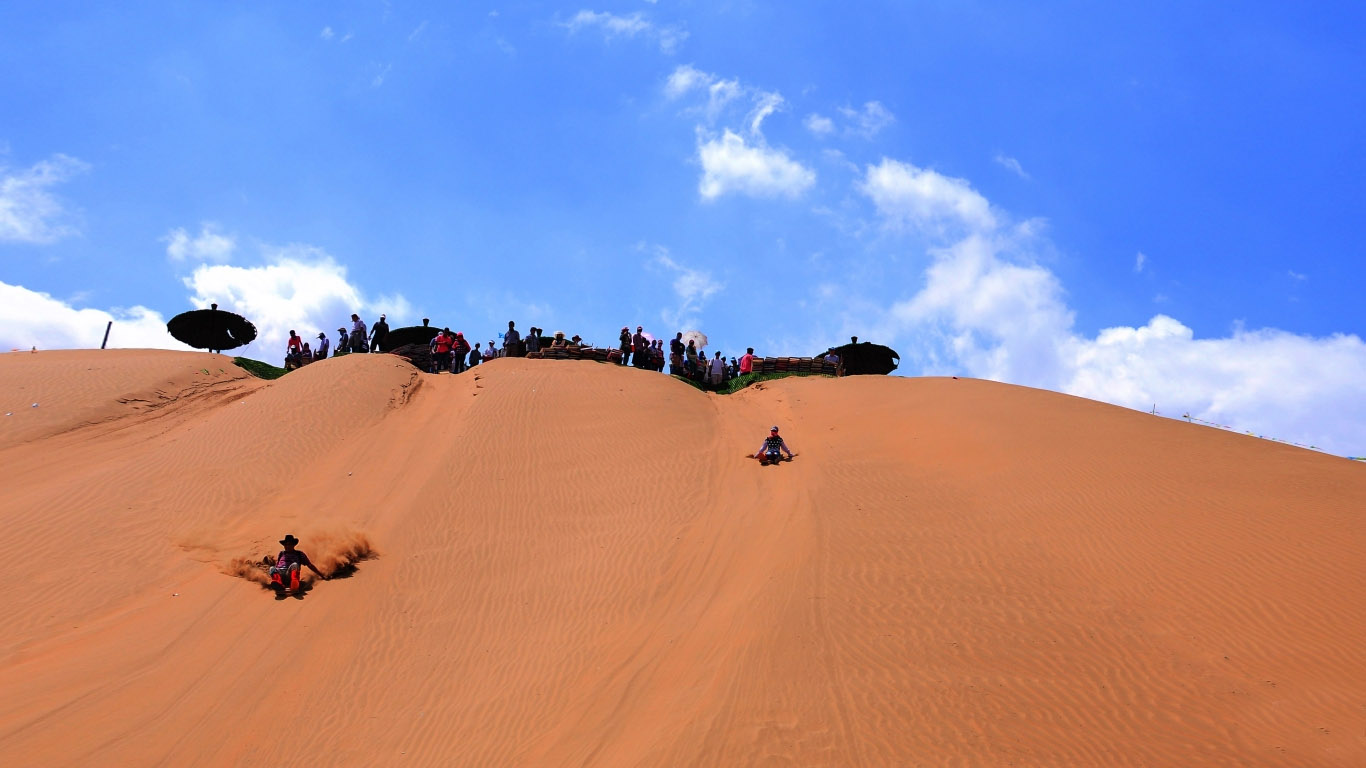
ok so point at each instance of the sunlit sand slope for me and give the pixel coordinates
(565, 563)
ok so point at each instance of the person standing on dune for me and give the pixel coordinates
(378, 333)
(357, 334)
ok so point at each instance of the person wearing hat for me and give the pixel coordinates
(288, 563)
(459, 352)
(378, 333)
(343, 341)
(559, 340)
(773, 448)
(625, 340)
(321, 352)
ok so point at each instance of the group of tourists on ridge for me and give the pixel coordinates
(449, 351)
(299, 353)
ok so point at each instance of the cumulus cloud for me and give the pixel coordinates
(632, 25)
(731, 165)
(208, 245)
(732, 162)
(988, 308)
(299, 288)
(31, 319)
(29, 212)
(916, 197)
(1289, 386)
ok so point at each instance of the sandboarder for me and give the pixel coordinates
(773, 448)
(285, 572)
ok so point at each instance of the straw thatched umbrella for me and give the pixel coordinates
(865, 358)
(213, 329)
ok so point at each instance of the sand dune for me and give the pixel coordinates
(569, 563)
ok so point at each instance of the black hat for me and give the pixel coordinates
(289, 539)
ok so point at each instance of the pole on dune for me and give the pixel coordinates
(106, 334)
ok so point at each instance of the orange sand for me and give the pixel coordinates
(577, 565)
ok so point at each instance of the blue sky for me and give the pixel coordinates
(1149, 204)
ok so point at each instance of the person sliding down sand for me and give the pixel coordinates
(773, 448)
(285, 572)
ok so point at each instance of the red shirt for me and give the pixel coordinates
(296, 343)
(443, 344)
(747, 363)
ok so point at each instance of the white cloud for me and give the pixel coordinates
(683, 79)
(1140, 261)
(819, 125)
(327, 33)
(909, 196)
(417, 31)
(720, 92)
(1283, 385)
(611, 24)
(988, 308)
(209, 245)
(766, 104)
(693, 287)
(869, 121)
(1298, 277)
(31, 319)
(381, 71)
(299, 288)
(730, 165)
(1011, 164)
(29, 213)
(629, 26)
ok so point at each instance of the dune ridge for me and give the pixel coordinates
(570, 563)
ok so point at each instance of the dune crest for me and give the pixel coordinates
(557, 562)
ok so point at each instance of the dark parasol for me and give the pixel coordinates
(867, 358)
(408, 335)
(212, 329)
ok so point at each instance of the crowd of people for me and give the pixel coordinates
(450, 351)
(359, 338)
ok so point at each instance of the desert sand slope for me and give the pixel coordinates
(575, 564)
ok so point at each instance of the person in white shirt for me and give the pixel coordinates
(717, 372)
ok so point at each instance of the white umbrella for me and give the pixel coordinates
(697, 337)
